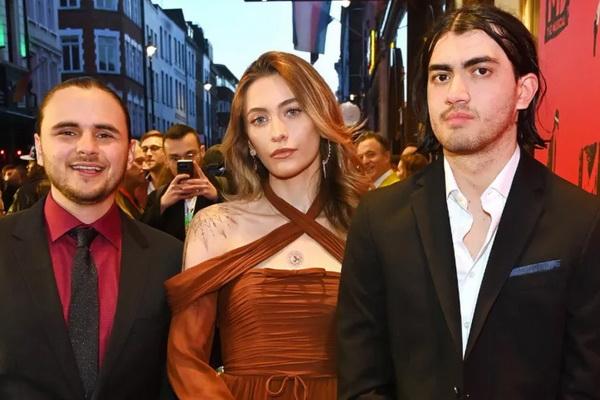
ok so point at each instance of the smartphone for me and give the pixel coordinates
(185, 167)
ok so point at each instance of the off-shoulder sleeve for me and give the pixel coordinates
(192, 297)
(193, 294)
(188, 352)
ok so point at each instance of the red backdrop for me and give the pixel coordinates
(570, 113)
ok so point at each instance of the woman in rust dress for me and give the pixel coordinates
(264, 266)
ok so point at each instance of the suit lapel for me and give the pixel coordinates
(33, 258)
(431, 213)
(521, 212)
(132, 280)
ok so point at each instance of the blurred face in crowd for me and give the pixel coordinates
(283, 135)
(374, 157)
(83, 145)
(186, 148)
(135, 172)
(473, 95)
(407, 150)
(154, 156)
(12, 176)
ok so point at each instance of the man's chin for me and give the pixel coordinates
(87, 198)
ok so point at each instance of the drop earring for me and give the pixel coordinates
(252, 153)
(326, 160)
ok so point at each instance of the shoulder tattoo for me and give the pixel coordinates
(213, 223)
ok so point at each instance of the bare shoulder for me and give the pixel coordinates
(213, 223)
(210, 232)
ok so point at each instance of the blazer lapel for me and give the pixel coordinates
(33, 258)
(523, 208)
(132, 280)
(431, 213)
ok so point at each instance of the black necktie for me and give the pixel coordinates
(84, 311)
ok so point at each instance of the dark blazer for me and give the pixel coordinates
(536, 330)
(36, 359)
(171, 221)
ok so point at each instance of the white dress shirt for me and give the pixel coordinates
(470, 271)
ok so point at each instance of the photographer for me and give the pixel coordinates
(171, 207)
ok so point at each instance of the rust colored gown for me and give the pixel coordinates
(276, 326)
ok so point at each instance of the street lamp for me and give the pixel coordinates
(150, 51)
(207, 86)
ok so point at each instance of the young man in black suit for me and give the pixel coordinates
(82, 302)
(478, 278)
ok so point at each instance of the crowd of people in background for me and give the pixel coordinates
(153, 192)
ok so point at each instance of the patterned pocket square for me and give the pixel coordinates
(533, 268)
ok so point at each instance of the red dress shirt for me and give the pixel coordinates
(105, 251)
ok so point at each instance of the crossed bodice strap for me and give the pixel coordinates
(210, 275)
(306, 222)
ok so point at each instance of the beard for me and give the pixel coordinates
(81, 192)
(84, 197)
(483, 133)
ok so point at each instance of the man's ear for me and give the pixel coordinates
(39, 153)
(527, 87)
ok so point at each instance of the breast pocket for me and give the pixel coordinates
(550, 273)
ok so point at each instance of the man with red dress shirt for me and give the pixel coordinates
(82, 303)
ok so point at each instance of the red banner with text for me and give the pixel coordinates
(569, 49)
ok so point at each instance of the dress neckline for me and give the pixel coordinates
(291, 272)
(212, 274)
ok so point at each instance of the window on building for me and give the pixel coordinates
(133, 59)
(161, 48)
(106, 5)
(107, 51)
(171, 91)
(69, 4)
(132, 10)
(176, 52)
(163, 88)
(169, 51)
(72, 48)
(50, 15)
(37, 12)
(176, 95)
(156, 86)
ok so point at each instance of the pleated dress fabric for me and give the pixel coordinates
(276, 325)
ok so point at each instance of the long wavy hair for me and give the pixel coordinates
(344, 181)
(518, 44)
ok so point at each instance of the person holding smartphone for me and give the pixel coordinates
(171, 207)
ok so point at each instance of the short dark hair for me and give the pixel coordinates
(83, 82)
(385, 144)
(178, 131)
(516, 42)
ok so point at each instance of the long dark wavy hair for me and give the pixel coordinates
(518, 45)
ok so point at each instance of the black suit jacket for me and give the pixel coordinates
(36, 358)
(536, 329)
(171, 221)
